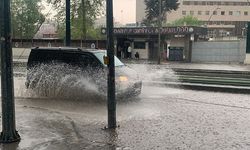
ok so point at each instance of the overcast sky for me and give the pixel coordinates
(124, 11)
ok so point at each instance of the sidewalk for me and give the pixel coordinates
(203, 66)
(233, 78)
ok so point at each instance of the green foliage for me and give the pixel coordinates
(188, 21)
(26, 18)
(83, 14)
(152, 10)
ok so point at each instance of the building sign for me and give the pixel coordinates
(155, 30)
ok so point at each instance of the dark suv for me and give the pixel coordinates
(56, 63)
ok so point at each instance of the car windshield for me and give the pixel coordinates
(100, 55)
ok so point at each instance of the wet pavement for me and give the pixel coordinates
(160, 118)
(202, 65)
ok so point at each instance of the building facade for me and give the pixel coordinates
(222, 17)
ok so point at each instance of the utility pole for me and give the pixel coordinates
(248, 38)
(68, 31)
(84, 27)
(159, 33)
(9, 133)
(111, 65)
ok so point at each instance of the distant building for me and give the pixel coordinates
(48, 30)
(101, 22)
(222, 17)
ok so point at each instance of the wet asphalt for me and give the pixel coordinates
(160, 118)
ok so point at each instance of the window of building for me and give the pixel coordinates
(195, 3)
(214, 12)
(243, 4)
(222, 12)
(237, 13)
(245, 13)
(186, 3)
(199, 12)
(191, 12)
(139, 45)
(230, 13)
(203, 3)
(207, 12)
(199, 3)
(184, 12)
(210, 3)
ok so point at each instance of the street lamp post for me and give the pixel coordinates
(111, 66)
(159, 33)
(9, 133)
(210, 17)
(68, 31)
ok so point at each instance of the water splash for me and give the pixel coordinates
(64, 81)
(149, 73)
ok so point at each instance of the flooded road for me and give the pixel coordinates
(160, 118)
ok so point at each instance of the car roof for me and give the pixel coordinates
(68, 49)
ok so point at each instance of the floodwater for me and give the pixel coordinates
(160, 118)
(75, 98)
(74, 93)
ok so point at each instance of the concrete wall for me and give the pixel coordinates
(143, 53)
(21, 53)
(219, 51)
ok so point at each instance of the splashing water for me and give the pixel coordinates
(64, 81)
(150, 73)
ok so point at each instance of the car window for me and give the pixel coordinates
(45, 56)
(71, 59)
(89, 61)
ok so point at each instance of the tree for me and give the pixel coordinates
(83, 14)
(152, 10)
(26, 18)
(187, 21)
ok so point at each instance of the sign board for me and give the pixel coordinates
(154, 30)
(93, 45)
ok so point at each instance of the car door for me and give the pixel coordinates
(94, 70)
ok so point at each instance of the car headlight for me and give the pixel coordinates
(123, 78)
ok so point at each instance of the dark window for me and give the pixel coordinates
(245, 13)
(186, 3)
(230, 13)
(43, 56)
(71, 59)
(89, 61)
(139, 45)
(222, 12)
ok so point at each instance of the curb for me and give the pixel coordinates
(202, 87)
